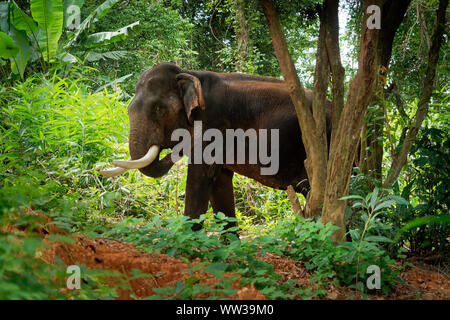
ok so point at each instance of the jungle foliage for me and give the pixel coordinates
(63, 112)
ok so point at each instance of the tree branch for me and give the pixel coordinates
(296, 90)
(331, 11)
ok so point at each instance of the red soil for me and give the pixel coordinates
(418, 282)
(165, 271)
(118, 256)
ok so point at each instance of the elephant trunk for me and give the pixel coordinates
(159, 167)
(137, 145)
(144, 152)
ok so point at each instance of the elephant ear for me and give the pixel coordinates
(191, 92)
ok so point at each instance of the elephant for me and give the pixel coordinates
(169, 98)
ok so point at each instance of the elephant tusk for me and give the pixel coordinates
(139, 163)
(112, 172)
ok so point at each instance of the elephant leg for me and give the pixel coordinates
(222, 196)
(199, 185)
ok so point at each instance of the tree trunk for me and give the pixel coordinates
(344, 146)
(293, 199)
(242, 37)
(318, 149)
(331, 9)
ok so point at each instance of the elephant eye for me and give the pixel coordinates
(158, 109)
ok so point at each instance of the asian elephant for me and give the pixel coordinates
(168, 98)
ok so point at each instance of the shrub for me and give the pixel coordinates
(427, 188)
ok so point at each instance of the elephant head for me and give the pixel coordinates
(166, 96)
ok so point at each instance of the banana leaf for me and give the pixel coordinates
(21, 20)
(8, 48)
(102, 38)
(20, 61)
(49, 16)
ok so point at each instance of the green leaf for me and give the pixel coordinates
(351, 197)
(357, 204)
(61, 238)
(102, 38)
(8, 48)
(24, 50)
(21, 20)
(31, 244)
(217, 269)
(121, 79)
(378, 239)
(73, 37)
(384, 204)
(103, 9)
(400, 200)
(417, 222)
(114, 55)
(220, 216)
(374, 198)
(70, 58)
(354, 234)
(4, 16)
(49, 16)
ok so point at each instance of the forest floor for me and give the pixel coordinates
(420, 281)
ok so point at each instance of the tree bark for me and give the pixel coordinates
(331, 9)
(425, 42)
(316, 164)
(294, 201)
(375, 122)
(241, 36)
(399, 160)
